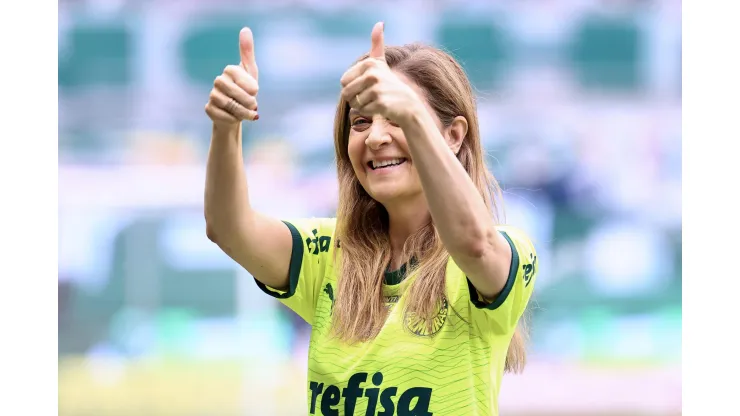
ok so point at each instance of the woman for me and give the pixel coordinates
(413, 291)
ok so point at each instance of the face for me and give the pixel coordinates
(380, 155)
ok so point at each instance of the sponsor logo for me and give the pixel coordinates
(530, 269)
(381, 400)
(318, 244)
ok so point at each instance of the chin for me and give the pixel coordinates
(385, 196)
(389, 192)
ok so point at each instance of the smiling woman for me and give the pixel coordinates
(414, 291)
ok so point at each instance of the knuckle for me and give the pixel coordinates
(243, 81)
(250, 88)
(213, 96)
(351, 75)
(372, 76)
(210, 111)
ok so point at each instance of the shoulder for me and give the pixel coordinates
(313, 227)
(320, 224)
(317, 235)
(514, 233)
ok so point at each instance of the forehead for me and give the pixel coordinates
(408, 81)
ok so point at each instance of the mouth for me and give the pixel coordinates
(386, 164)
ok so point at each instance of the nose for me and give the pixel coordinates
(379, 134)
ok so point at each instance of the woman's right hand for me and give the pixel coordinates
(234, 94)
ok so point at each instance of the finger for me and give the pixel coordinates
(243, 79)
(377, 48)
(227, 86)
(356, 71)
(224, 102)
(365, 101)
(246, 51)
(219, 114)
(359, 85)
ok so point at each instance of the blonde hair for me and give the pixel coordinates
(362, 223)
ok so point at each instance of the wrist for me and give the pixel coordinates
(227, 131)
(414, 119)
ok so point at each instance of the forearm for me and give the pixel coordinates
(231, 222)
(457, 208)
(226, 195)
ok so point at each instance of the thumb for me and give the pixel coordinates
(377, 48)
(246, 51)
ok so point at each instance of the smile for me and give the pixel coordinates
(385, 164)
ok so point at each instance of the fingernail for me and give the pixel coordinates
(256, 108)
(382, 26)
(257, 117)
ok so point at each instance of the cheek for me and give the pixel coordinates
(403, 146)
(415, 176)
(355, 150)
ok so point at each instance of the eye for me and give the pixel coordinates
(359, 121)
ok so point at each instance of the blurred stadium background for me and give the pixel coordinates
(580, 106)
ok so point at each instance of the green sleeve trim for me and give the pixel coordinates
(294, 270)
(501, 297)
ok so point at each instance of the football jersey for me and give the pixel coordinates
(453, 369)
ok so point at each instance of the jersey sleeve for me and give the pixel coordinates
(502, 314)
(310, 261)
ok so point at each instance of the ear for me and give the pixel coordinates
(455, 133)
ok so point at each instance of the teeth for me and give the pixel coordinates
(386, 163)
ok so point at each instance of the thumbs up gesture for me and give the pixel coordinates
(234, 94)
(371, 87)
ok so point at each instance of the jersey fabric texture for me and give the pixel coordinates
(455, 369)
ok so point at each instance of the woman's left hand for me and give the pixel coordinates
(371, 87)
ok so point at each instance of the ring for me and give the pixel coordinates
(231, 106)
(359, 103)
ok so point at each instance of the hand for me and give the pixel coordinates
(234, 94)
(371, 87)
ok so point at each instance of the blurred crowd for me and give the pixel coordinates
(580, 108)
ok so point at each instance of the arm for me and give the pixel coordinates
(231, 222)
(260, 244)
(464, 222)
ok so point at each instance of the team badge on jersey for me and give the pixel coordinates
(418, 327)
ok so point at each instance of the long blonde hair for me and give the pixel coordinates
(362, 223)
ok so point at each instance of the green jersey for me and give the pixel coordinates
(453, 369)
